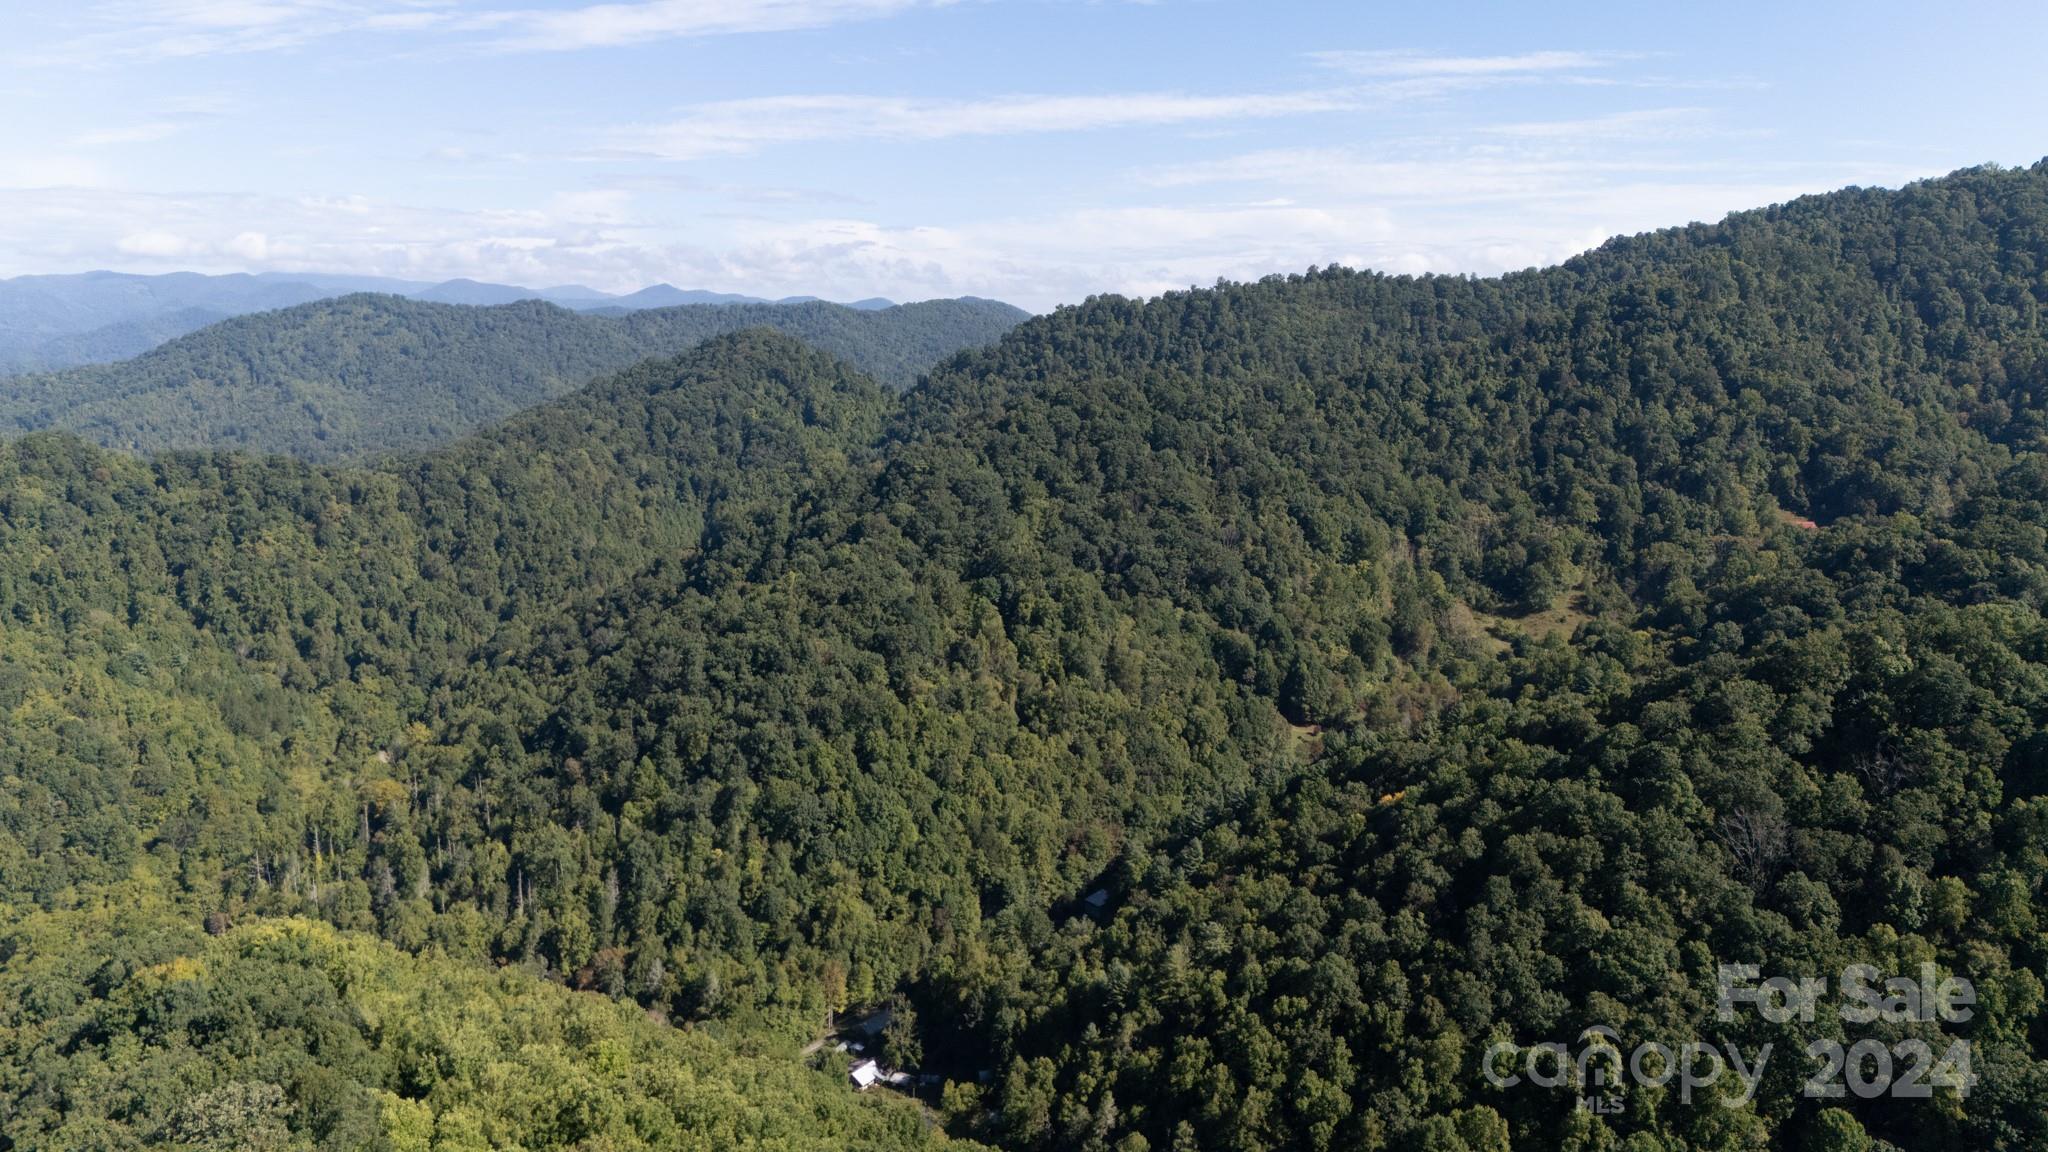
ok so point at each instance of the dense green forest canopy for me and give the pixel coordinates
(133, 1029)
(368, 374)
(1207, 723)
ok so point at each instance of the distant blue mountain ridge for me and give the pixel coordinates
(53, 322)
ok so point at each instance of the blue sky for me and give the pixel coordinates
(1033, 150)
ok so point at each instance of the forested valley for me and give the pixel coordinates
(1204, 723)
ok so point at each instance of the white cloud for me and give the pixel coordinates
(733, 126)
(1660, 123)
(171, 29)
(1036, 260)
(1437, 172)
(1417, 64)
(738, 126)
(1463, 211)
(49, 170)
(174, 29)
(604, 25)
(606, 206)
(253, 247)
(160, 245)
(1535, 199)
(231, 13)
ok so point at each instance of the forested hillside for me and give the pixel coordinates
(368, 374)
(136, 1030)
(1207, 723)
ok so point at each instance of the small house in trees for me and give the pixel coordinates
(865, 1075)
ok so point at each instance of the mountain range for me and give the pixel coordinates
(53, 322)
(366, 373)
(1257, 718)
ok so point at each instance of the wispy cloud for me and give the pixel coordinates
(734, 126)
(1541, 165)
(1442, 174)
(1386, 79)
(606, 25)
(1538, 185)
(170, 29)
(1646, 123)
(41, 170)
(1416, 64)
(184, 29)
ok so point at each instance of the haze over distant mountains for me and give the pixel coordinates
(53, 322)
(369, 373)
